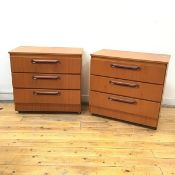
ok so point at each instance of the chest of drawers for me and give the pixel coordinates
(127, 85)
(46, 79)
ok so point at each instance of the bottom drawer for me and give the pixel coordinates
(125, 104)
(47, 100)
(47, 96)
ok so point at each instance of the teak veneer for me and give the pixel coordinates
(46, 78)
(128, 85)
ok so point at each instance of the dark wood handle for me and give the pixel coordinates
(46, 93)
(122, 66)
(119, 99)
(48, 77)
(120, 83)
(40, 61)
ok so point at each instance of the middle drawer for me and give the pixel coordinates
(54, 81)
(134, 89)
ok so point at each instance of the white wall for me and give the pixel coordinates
(136, 25)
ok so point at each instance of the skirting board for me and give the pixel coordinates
(168, 102)
(7, 96)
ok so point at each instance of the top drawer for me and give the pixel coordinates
(131, 70)
(46, 64)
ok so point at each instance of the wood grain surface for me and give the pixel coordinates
(64, 64)
(129, 55)
(147, 91)
(52, 81)
(64, 144)
(146, 72)
(46, 50)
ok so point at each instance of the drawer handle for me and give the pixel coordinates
(46, 93)
(120, 83)
(122, 66)
(130, 101)
(48, 77)
(38, 61)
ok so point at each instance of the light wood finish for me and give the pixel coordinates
(129, 88)
(47, 107)
(125, 116)
(62, 64)
(125, 104)
(147, 72)
(51, 144)
(127, 83)
(46, 79)
(47, 95)
(53, 81)
(137, 56)
(46, 50)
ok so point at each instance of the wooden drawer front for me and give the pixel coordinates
(140, 90)
(129, 105)
(59, 64)
(131, 70)
(55, 81)
(47, 96)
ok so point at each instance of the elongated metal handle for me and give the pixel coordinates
(46, 93)
(119, 99)
(48, 77)
(122, 66)
(40, 61)
(121, 83)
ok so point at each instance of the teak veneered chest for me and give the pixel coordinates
(46, 78)
(127, 85)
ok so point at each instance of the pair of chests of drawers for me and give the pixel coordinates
(46, 82)
(128, 90)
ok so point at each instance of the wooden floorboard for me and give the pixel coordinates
(82, 144)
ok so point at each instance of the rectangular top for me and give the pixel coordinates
(47, 50)
(137, 56)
